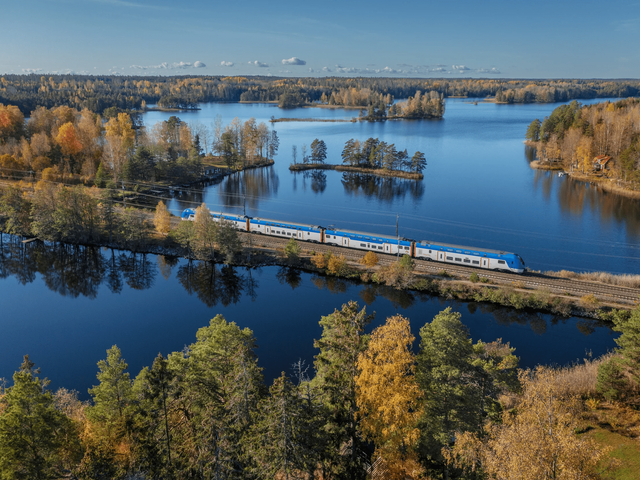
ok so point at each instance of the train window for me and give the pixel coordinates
(475, 262)
(466, 260)
(363, 245)
(501, 262)
(429, 251)
(450, 258)
(458, 259)
(379, 248)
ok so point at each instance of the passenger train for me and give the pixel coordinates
(436, 251)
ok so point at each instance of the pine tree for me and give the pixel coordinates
(445, 376)
(318, 151)
(220, 386)
(418, 162)
(33, 434)
(280, 437)
(342, 341)
(101, 176)
(619, 377)
(113, 396)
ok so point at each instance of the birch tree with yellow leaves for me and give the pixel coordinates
(388, 398)
(537, 441)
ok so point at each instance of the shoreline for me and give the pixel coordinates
(379, 172)
(441, 284)
(607, 184)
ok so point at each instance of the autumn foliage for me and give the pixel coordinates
(68, 139)
(388, 398)
(370, 259)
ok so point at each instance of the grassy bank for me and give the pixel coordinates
(380, 172)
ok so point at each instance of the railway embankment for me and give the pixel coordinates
(559, 293)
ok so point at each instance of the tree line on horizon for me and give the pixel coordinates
(100, 92)
(370, 406)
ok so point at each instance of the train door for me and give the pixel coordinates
(299, 235)
(345, 241)
(485, 263)
(268, 230)
(441, 256)
(387, 248)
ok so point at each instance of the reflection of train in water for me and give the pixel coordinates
(436, 251)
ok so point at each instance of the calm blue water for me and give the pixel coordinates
(478, 189)
(66, 307)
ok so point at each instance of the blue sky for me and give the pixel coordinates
(457, 38)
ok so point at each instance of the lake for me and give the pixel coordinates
(65, 306)
(478, 188)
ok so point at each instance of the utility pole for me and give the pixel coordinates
(397, 234)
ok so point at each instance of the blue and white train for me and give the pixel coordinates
(431, 251)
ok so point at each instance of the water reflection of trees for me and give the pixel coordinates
(575, 197)
(75, 270)
(383, 188)
(214, 284)
(254, 185)
(537, 321)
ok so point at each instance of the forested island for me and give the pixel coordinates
(373, 156)
(97, 93)
(600, 140)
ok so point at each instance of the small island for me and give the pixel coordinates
(373, 157)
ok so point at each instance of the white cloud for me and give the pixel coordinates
(293, 61)
(326, 69)
(311, 70)
(459, 68)
(341, 69)
(32, 70)
(492, 71)
(259, 64)
(226, 64)
(170, 66)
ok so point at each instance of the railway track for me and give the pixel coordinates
(528, 279)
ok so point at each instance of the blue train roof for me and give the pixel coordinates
(279, 223)
(369, 237)
(447, 247)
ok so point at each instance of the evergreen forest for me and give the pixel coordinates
(372, 405)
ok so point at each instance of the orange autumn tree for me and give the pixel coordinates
(388, 399)
(68, 139)
(11, 122)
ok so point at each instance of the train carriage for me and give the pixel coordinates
(367, 241)
(277, 228)
(469, 256)
(238, 221)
